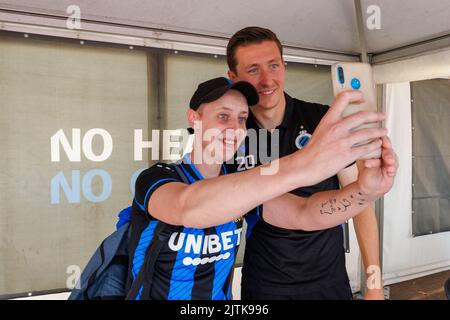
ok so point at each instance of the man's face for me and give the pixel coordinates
(262, 65)
(223, 126)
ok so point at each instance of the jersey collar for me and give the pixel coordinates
(191, 171)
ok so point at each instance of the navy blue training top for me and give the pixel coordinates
(290, 262)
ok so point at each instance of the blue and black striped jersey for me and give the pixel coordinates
(193, 263)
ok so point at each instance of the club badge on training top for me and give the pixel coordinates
(302, 139)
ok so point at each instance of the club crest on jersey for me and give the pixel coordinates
(302, 139)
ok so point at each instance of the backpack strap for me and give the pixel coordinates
(143, 281)
(179, 171)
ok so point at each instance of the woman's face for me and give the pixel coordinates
(222, 124)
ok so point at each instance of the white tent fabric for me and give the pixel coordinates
(405, 257)
(320, 24)
(353, 260)
(429, 66)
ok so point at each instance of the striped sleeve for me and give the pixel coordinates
(150, 180)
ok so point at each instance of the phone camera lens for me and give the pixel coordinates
(356, 84)
(341, 75)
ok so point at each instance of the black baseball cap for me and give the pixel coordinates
(213, 89)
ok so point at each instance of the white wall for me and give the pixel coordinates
(55, 296)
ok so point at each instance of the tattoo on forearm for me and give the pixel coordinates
(332, 206)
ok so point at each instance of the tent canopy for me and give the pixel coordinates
(327, 25)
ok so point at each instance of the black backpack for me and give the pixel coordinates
(107, 275)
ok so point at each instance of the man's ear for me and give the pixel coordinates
(231, 76)
(192, 116)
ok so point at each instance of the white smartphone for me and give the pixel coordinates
(357, 76)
